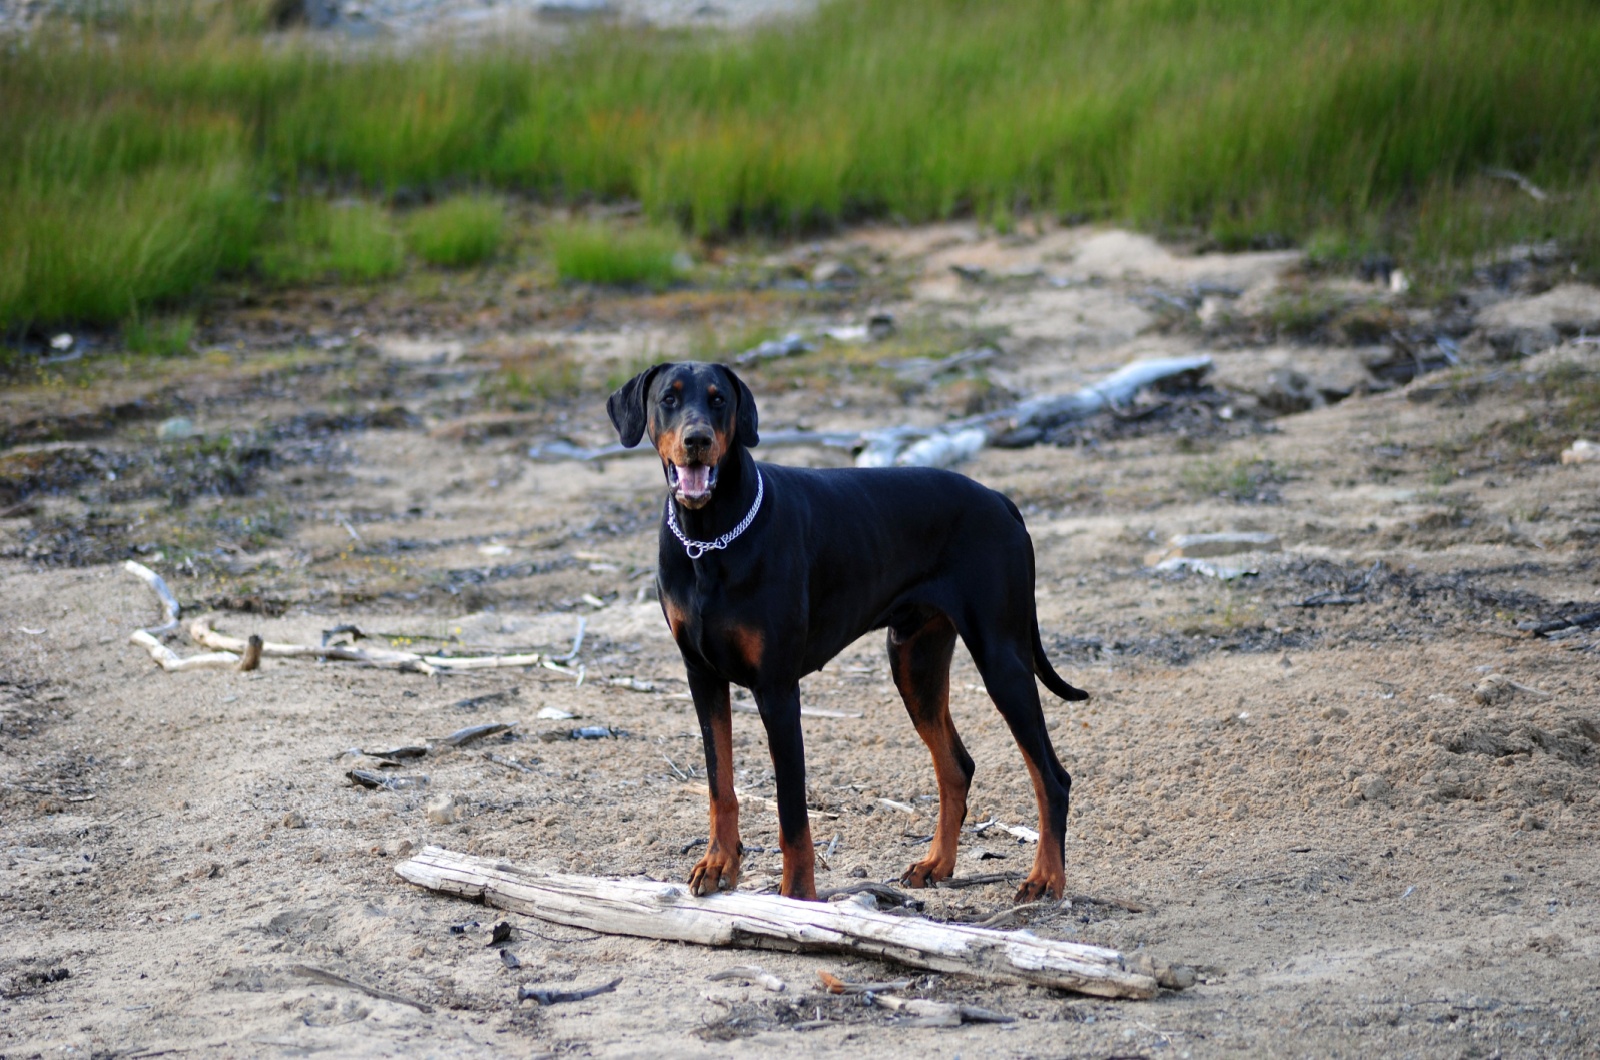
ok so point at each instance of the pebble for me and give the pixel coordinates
(176, 429)
(1371, 787)
(1176, 977)
(294, 819)
(1582, 451)
(1492, 689)
(442, 810)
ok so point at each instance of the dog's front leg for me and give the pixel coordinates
(719, 869)
(780, 713)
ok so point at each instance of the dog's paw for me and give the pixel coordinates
(927, 872)
(717, 871)
(1039, 885)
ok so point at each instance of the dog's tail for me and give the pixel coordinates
(1047, 673)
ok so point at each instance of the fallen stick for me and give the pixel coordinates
(938, 1013)
(173, 663)
(1022, 423)
(835, 985)
(648, 909)
(169, 603)
(334, 979)
(201, 632)
(550, 996)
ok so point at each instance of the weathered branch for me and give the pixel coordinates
(648, 909)
(954, 442)
(201, 633)
(173, 663)
(169, 603)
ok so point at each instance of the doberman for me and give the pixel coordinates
(768, 572)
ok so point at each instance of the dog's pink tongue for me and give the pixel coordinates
(694, 481)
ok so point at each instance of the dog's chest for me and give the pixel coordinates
(709, 624)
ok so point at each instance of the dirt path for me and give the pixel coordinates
(1306, 804)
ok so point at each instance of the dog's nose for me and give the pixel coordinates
(697, 442)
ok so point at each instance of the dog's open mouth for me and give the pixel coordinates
(692, 483)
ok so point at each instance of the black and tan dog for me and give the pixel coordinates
(768, 572)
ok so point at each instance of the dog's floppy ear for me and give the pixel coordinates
(745, 425)
(626, 406)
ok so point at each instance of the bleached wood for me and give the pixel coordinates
(648, 909)
(201, 632)
(158, 585)
(173, 663)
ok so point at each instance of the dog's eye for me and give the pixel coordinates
(669, 400)
(717, 401)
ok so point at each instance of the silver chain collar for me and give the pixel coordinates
(696, 549)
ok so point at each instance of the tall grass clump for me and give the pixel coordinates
(1371, 123)
(351, 241)
(162, 337)
(624, 256)
(462, 230)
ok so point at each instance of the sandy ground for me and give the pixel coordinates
(1308, 805)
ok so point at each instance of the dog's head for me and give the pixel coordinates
(695, 414)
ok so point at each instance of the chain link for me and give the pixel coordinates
(696, 549)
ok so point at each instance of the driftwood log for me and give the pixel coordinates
(647, 909)
(172, 663)
(1020, 424)
(202, 633)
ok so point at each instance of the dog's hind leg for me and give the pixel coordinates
(719, 869)
(780, 713)
(1008, 675)
(919, 659)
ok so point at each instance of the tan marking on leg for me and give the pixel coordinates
(928, 703)
(799, 865)
(719, 869)
(1048, 878)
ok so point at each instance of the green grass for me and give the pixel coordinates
(617, 255)
(165, 337)
(138, 161)
(460, 231)
(351, 241)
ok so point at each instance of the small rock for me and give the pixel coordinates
(294, 819)
(1530, 823)
(1176, 976)
(880, 326)
(62, 342)
(1137, 829)
(1371, 787)
(1334, 714)
(1493, 689)
(442, 810)
(832, 273)
(176, 429)
(1581, 452)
